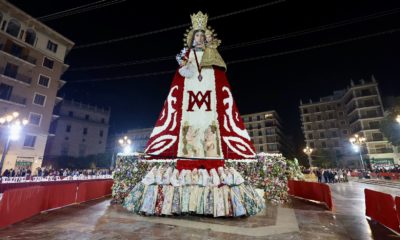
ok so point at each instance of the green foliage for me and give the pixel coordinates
(324, 159)
(128, 172)
(389, 127)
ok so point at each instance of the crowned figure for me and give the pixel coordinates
(199, 128)
(200, 101)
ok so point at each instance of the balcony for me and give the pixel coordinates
(19, 54)
(14, 99)
(365, 116)
(16, 76)
(380, 150)
(376, 139)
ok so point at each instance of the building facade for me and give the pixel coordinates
(31, 64)
(80, 130)
(139, 138)
(331, 122)
(265, 130)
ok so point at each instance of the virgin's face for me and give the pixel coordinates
(199, 37)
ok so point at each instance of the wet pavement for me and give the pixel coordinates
(296, 220)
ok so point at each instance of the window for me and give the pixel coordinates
(103, 120)
(66, 138)
(258, 118)
(44, 81)
(87, 117)
(30, 37)
(251, 134)
(320, 126)
(48, 63)
(13, 28)
(336, 143)
(310, 136)
(323, 144)
(3, 25)
(312, 144)
(85, 131)
(342, 123)
(334, 134)
(317, 109)
(250, 119)
(272, 147)
(259, 126)
(52, 46)
(340, 114)
(330, 115)
(308, 127)
(307, 119)
(64, 149)
(259, 133)
(39, 99)
(322, 135)
(261, 149)
(100, 142)
(5, 91)
(101, 133)
(82, 150)
(305, 110)
(29, 141)
(260, 141)
(11, 70)
(70, 114)
(68, 128)
(344, 132)
(333, 124)
(35, 118)
(319, 118)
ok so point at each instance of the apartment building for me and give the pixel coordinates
(31, 64)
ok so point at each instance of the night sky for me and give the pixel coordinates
(272, 83)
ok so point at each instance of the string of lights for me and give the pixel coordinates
(254, 42)
(99, 43)
(323, 45)
(79, 9)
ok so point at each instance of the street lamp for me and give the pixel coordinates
(308, 152)
(398, 119)
(357, 142)
(14, 126)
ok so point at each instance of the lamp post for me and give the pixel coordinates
(125, 143)
(308, 152)
(14, 126)
(357, 142)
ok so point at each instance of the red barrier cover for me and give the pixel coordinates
(21, 203)
(91, 190)
(59, 195)
(380, 207)
(311, 190)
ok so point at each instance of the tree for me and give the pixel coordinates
(323, 158)
(389, 127)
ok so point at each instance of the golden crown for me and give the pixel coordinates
(199, 21)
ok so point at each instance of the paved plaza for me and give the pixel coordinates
(296, 220)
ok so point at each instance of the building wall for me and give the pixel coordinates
(329, 123)
(265, 130)
(20, 83)
(79, 131)
(139, 138)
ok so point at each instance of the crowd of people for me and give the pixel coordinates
(332, 175)
(45, 171)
